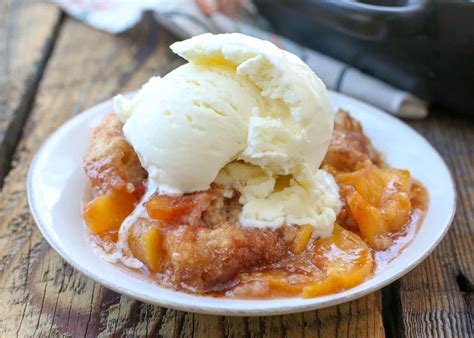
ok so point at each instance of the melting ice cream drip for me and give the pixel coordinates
(123, 253)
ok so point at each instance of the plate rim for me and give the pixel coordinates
(218, 310)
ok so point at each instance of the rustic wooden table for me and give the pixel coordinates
(51, 68)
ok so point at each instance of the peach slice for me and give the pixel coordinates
(146, 243)
(346, 260)
(167, 208)
(302, 238)
(379, 200)
(370, 221)
(106, 213)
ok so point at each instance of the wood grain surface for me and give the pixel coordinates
(27, 33)
(437, 298)
(43, 296)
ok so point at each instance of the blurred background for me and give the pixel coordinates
(425, 47)
(402, 54)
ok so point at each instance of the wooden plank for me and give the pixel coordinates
(27, 30)
(40, 293)
(437, 298)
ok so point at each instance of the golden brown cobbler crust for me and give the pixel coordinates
(349, 145)
(110, 161)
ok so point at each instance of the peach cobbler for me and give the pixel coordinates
(193, 242)
(232, 176)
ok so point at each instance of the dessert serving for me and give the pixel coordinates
(232, 176)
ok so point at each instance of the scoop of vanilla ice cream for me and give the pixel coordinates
(295, 123)
(247, 114)
(187, 125)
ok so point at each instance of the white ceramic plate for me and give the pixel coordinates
(56, 184)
